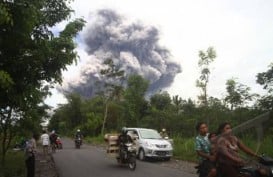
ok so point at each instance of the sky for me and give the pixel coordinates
(239, 31)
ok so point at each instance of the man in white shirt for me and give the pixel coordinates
(45, 142)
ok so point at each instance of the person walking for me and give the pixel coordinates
(45, 142)
(30, 156)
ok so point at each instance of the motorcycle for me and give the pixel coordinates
(59, 143)
(252, 169)
(127, 156)
(78, 142)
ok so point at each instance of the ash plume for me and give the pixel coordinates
(132, 46)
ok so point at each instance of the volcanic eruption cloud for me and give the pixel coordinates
(132, 46)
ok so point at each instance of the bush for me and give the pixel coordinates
(95, 140)
(14, 165)
(184, 149)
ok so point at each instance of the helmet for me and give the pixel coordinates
(78, 130)
(123, 130)
(163, 129)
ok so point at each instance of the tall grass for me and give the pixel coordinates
(184, 149)
(14, 165)
(263, 146)
(98, 140)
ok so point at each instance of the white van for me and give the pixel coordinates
(149, 143)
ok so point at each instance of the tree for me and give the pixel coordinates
(135, 102)
(177, 101)
(238, 94)
(161, 101)
(113, 88)
(266, 79)
(205, 59)
(31, 57)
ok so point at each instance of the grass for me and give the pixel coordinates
(184, 149)
(14, 166)
(95, 140)
(263, 147)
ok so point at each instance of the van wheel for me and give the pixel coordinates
(141, 155)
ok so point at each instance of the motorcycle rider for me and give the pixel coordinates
(123, 139)
(53, 137)
(228, 146)
(78, 135)
(164, 133)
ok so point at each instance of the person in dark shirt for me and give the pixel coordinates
(122, 140)
(53, 138)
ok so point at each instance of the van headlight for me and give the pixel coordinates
(169, 146)
(149, 145)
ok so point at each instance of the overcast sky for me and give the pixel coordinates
(240, 32)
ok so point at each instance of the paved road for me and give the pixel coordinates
(90, 161)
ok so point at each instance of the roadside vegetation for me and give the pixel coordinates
(14, 166)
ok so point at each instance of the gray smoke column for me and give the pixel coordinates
(132, 46)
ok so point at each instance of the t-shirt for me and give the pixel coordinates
(45, 139)
(202, 144)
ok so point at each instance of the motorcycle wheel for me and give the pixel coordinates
(132, 163)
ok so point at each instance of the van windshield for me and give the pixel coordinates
(150, 134)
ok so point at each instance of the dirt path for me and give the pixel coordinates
(44, 166)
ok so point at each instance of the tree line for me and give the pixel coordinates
(119, 105)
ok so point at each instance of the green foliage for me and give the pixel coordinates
(98, 140)
(161, 101)
(184, 149)
(238, 94)
(14, 166)
(31, 60)
(135, 102)
(266, 79)
(205, 59)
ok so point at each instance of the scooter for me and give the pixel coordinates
(59, 143)
(78, 142)
(251, 170)
(127, 156)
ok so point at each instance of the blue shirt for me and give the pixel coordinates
(202, 144)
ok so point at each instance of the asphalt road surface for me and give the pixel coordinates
(91, 161)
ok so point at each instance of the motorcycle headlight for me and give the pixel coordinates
(131, 148)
